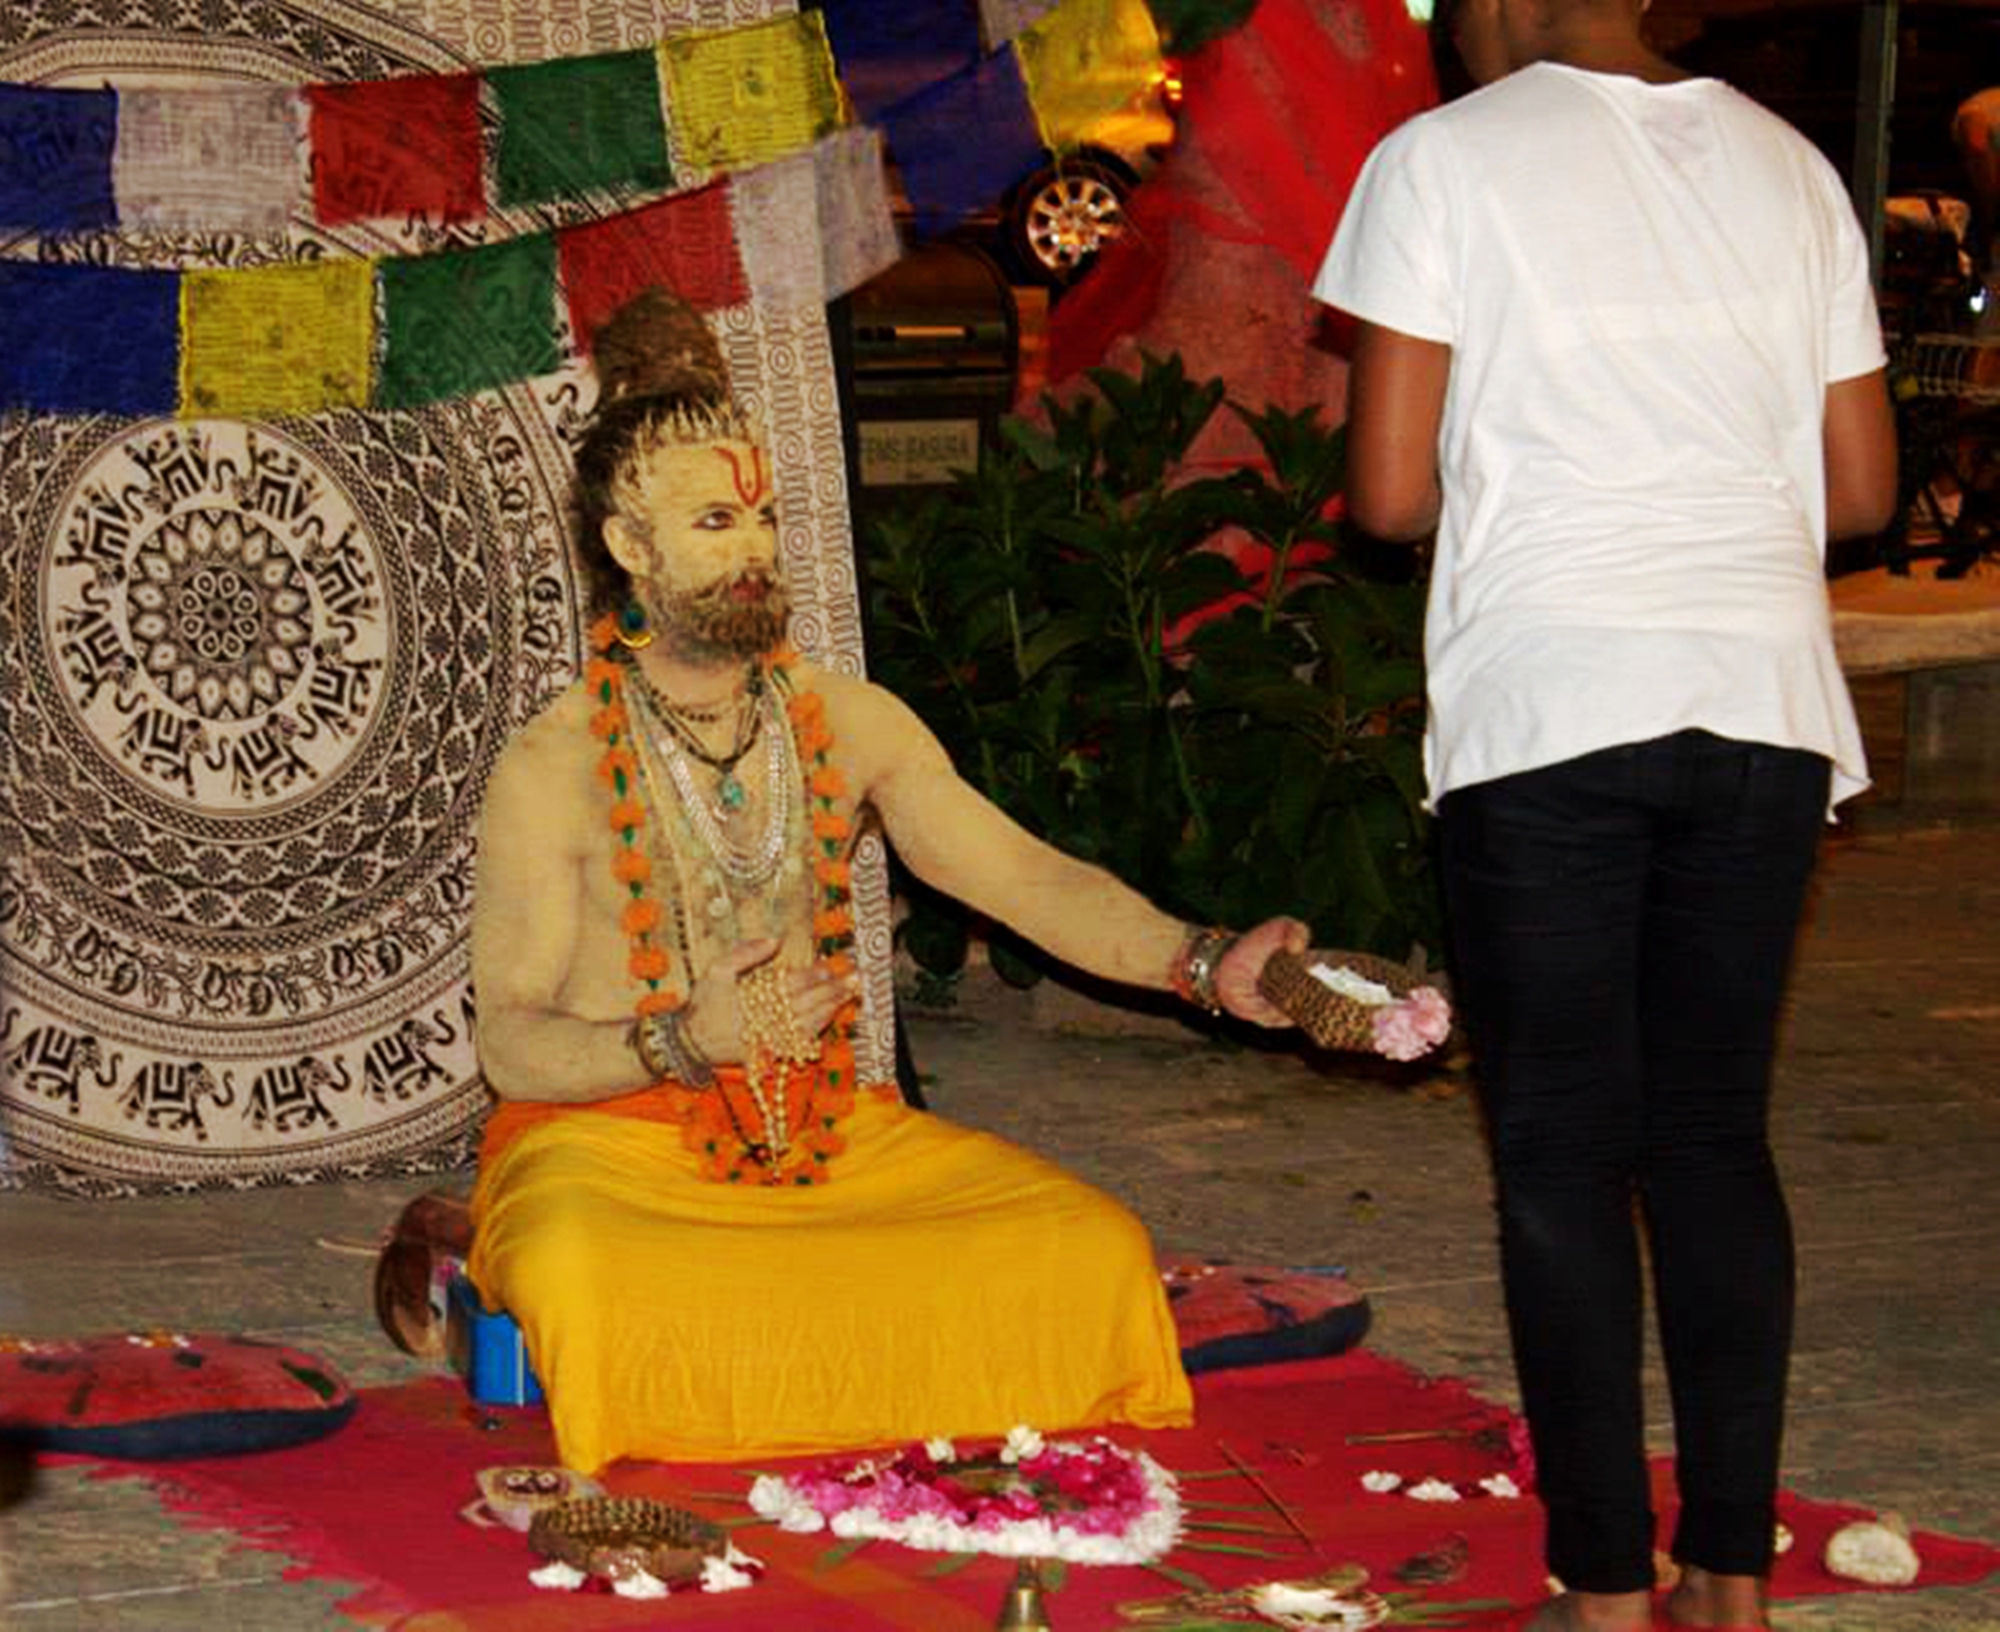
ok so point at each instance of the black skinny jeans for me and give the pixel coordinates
(1621, 927)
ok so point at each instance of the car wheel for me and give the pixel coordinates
(1061, 216)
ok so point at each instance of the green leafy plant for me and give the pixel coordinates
(1268, 762)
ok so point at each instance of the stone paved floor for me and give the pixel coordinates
(1888, 1127)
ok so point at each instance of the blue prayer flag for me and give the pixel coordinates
(55, 159)
(88, 339)
(964, 142)
(889, 49)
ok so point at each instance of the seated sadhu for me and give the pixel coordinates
(717, 1242)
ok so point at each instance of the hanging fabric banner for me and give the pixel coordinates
(468, 320)
(684, 243)
(744, 96)
(888, 49)
(277, 340)
(397, 147)
(842, 185)
(88, 339)
(55, 159)
(1085, 61)
(946, 176)
(580, 125)
(227, 157)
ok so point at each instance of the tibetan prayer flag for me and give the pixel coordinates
(743, 96)
(88, 339)
(817, 224)
(55, 159)
(946, 175)
(890, 49)
(223, 157)
(275, 340)
(580, 125)
(468, 320)
(1003, 20)
(684, 244)
(230, 157)
(397, 148)
(1085, 61)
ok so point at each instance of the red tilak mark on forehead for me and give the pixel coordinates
(749, 488)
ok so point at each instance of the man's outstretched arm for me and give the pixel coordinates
(957, 841)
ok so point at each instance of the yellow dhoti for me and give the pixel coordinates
(940, 1282)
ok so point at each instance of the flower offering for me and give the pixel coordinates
(1087, 1502)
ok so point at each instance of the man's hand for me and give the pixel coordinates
(715, 1018)
(1236, 976)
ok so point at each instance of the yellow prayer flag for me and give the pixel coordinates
(277, 340)
(1085, 61)
(744, 96)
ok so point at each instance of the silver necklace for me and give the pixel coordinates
(680, 721)
(745, 867)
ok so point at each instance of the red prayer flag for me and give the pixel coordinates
(397, 147)
(686, 243)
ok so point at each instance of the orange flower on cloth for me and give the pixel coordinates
(268, 341)
(617, 762)
(641, 917)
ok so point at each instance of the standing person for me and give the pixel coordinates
(1617, 344)
(715, 1246)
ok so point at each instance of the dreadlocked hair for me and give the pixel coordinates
(662, 382)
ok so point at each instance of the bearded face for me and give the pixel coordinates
(737, 617)
(698, 532)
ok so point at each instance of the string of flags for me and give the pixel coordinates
(301, 337)
(746, 140)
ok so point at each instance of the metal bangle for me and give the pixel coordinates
(1195, 964)
(639, 1039)
(665, 1049)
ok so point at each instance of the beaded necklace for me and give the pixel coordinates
(773, 1122)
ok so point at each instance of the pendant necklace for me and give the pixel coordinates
(730, 793)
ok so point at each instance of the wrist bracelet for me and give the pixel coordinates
(667, 1051)
(640, 1043)
(1192, 974)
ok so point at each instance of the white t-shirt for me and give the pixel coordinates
(1647, 290)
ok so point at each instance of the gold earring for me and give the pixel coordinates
(635, 634)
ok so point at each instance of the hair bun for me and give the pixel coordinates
(657, 345)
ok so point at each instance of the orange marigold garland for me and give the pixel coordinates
(815, 1097)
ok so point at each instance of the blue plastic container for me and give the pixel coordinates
(486, 1346)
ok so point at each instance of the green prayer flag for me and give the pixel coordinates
(578, 125)
(467, 320)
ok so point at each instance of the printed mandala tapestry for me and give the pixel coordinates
(254, 673)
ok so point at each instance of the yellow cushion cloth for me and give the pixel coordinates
(942, 1281)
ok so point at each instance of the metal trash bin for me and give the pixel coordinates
(929, 357)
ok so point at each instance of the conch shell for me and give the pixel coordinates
(1878, 1552)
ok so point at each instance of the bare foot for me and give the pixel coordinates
(1595, 1612)
(1726, 1603)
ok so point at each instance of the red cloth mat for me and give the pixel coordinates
(378, 1504)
